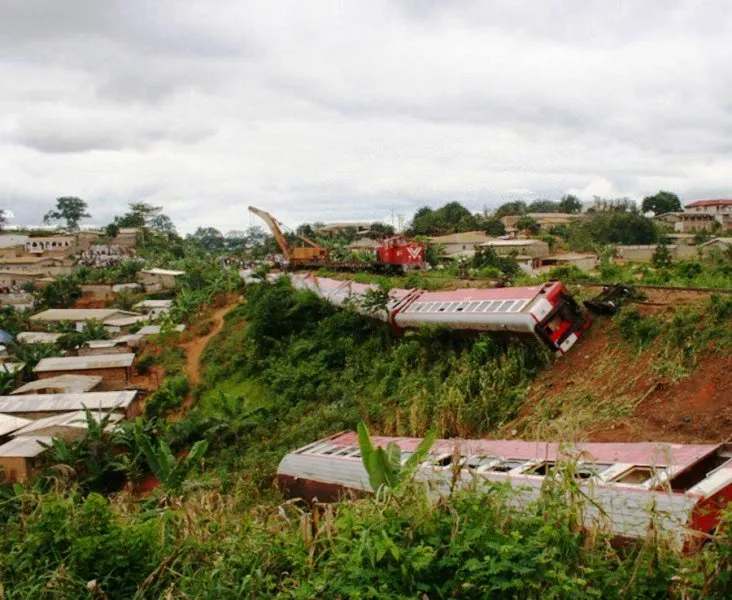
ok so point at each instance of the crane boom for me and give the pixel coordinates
(274, 227)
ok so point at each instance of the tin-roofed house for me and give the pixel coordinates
(38, 406)
(115, 369)
(63, 384)
(20, 457)
(154, 308)
(80, 316)
(67, 426)
(155, 280)
(10, 424)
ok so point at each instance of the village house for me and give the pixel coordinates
(81, 315)
(695, 222)
(120, 345)
(669, 218)
(583, 262)
(37, 406)
(115, 369)
(55, 245)
(46, 265)
(155, 280)
(644, 253)
(20, 457)
(10, 424)
(12, 245)
(127, 237)
(460, 244)
(716, 245)
(154, 308)
(529, 247)
(66, 426)
(13, 279)
(545, 220)
(38, 337)
(720, 210)
(63, 384)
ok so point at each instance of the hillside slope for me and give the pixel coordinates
(616, 385)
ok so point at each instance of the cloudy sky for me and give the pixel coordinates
(351, 110)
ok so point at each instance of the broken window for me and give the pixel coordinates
(505, 466)
(636, 476)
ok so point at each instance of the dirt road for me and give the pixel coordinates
(194, 349)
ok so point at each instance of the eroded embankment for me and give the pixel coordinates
(659, 372)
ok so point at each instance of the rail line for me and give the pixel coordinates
(670, 288)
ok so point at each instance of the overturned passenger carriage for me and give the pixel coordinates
(546, 311)
(627, 488)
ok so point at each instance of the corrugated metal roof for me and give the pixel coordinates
(700, 203)
(66, 402)
(154, 304)
(9, 423)
(80, 314)
(529, 242)
(11, 367)
(466, 237)
(38, 337)
(73, 363)
(68, 384)
(162, 272)
(126, 320)
(75, 420)
(25, 447)
(155, 329)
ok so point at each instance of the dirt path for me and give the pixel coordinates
(194, 349)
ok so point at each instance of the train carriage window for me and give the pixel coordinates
(476, 462)
(428, 307)
(482, 306)
(505, 466)
(472, 306)
(585, 471)
(505, 306)
(493, 306)
(635, 476)
(542, 469)
(518, 306)
(461, 307)
(416, 308)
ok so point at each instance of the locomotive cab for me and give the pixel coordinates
(559, 318)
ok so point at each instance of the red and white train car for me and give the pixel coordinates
(628, 488)
(547, 311)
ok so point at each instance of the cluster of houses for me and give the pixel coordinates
(52, 400)
(36, 260)
(535, 256)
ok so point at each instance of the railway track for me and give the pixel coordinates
(669, 288)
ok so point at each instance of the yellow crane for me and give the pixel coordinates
(312, 255)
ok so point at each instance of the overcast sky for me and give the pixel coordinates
(322, 111)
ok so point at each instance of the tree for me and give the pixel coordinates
(543, 206)
(527, 223)
(570, 204)
(210, 238)
(660, 203)
(161, 223)
(62, 293)
(70, 209)
(494, 227)
(381, 230)
(510, 208)
(452, 217)
(3, 218)
(661, 257)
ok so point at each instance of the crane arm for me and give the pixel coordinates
(307, 240)
(275, 229)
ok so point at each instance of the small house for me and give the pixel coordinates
(460, 244)
(67, 426)
(63, 384)
(532, 248)
(719, 244)
(583, 262)
(159, 279)
(20, 457)
(154, 308)
(38, 337)
(10, 424)
(81, 315)
(115, 369)
(38, 406)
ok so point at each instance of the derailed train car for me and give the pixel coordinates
(546, 311)
(627, 488)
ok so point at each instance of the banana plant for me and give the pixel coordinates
(170, 471)
(384, 465)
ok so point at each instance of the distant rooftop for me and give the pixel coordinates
(702, 203)
(80, 314)
(66, 402)
(62, 384)
(8, 424)
(25, 447)
(83, 363)
(38, 337)
(75, 420)
(162, 272)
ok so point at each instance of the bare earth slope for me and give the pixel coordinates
(607, 390)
